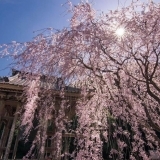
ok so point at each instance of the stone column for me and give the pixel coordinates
(16, 145)
(2, 105)
(43, 140)
(6, 132)
(11, 135)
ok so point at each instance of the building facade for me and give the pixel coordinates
(12, 146)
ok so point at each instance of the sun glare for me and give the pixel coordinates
(120, 32)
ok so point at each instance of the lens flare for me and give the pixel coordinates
(120, 32)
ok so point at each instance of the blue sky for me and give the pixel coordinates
(19, 19)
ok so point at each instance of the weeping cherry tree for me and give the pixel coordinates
(114, 59)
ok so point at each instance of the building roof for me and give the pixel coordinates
(21, 80)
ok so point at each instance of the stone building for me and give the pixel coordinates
(12, 145)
